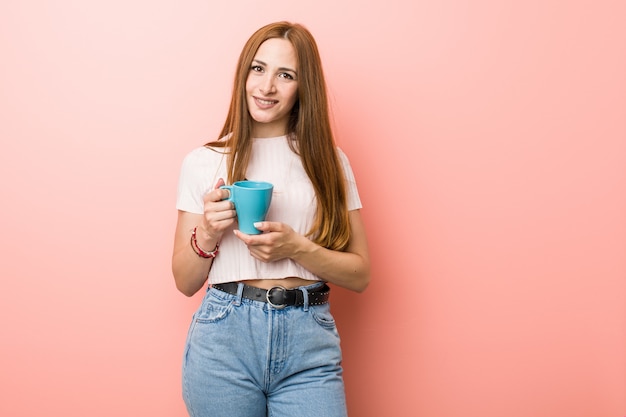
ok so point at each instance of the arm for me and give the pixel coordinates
(349, 269)
(190, 270)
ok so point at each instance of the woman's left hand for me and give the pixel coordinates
(349, 268)
(277, 241)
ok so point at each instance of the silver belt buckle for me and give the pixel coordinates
(267, 297)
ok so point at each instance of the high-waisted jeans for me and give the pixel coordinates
(245, 358)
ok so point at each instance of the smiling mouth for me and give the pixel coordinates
(265, 102)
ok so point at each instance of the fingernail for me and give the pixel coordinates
(257, 224)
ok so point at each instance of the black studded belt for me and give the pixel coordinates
(277, 297)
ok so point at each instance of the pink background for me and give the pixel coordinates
(489, 142)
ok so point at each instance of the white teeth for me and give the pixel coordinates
(266, 102)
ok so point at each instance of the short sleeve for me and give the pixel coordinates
(200, 170)
(352, 192)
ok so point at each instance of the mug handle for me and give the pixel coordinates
(230, 192)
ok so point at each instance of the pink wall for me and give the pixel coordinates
(489, 141)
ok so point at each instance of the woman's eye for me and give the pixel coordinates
(256, 68)
(286, 76)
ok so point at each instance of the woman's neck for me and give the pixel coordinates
(268, 130)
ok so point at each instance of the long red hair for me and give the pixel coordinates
(309, 127)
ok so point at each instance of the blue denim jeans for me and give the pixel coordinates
(245, 358)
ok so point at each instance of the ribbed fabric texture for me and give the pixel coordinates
(293, 203)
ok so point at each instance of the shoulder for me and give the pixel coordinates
(203, 160)
(203, 155)
(343, 158)
(203, 164)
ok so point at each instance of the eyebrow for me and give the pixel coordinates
(280, 69)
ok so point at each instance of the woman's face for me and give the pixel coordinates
(272, 87)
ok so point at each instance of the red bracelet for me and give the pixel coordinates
(200, 252)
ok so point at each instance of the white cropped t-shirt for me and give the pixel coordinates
(293, 203)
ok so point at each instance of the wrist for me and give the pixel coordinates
(205, 238)
(198, 249)
(203, 235)
(303, 247)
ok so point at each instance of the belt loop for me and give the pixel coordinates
(305, 295)
(239, 294)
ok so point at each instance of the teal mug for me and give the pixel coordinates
(252, 201)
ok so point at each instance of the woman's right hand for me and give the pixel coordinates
(219, 214)
(190, 270)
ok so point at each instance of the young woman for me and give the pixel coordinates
(263, 342)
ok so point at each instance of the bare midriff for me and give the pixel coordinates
(289, 282)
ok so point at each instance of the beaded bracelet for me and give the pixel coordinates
(200, 252)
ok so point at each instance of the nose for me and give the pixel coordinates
(267, 86)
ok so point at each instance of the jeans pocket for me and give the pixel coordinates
(214, 308)
(323, 316)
